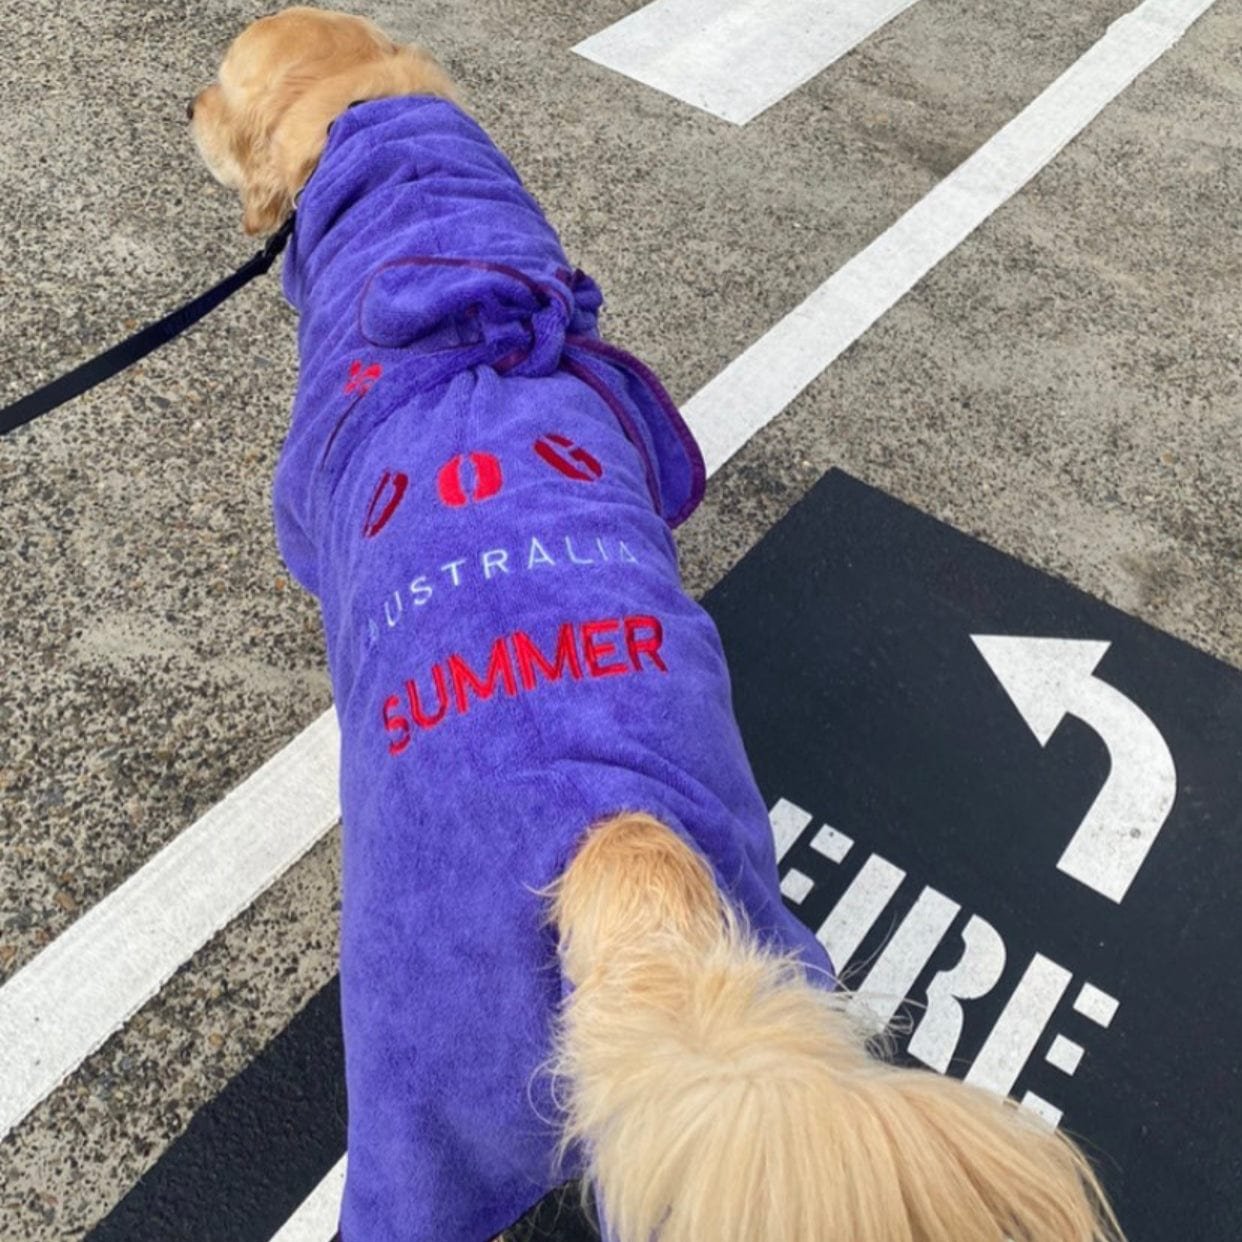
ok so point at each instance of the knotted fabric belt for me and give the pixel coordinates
(520, 326)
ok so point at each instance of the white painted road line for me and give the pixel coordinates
(86, 983)
(758, 385)
(93, 977)
(316, 1218)
(735, 58)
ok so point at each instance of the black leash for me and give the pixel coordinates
(143, 342)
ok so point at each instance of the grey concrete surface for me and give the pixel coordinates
(1065, 385)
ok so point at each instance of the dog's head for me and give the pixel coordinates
(261, 126)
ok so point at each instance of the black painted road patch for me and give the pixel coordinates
(1023, 809)
(993, 794)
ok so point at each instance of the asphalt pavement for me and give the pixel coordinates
(1065, 385)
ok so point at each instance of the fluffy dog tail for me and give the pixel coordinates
(718, 1095)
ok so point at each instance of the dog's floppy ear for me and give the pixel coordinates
(254, 139)
(265, 202)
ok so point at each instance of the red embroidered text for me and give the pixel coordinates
(517, 664)
(388, 494)
(573, 461)
(454, 490)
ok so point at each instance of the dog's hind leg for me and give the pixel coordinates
(718, 1095)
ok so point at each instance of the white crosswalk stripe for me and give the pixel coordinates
(735, 58)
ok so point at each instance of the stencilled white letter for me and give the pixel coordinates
(890, 980)
(977, 972)
(1066, 1054)
(1019, 1027)
(787, 822)
(858, 908)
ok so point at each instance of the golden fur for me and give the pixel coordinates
(720, 1097)
(262, 125)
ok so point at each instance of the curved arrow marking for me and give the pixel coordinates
(1049, 678)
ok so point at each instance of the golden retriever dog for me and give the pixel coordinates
(632, 951)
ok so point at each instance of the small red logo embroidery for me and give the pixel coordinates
(391, 491)
(551, 448)
(488, 479)
(360, 379)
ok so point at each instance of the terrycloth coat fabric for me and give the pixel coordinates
(479, 491)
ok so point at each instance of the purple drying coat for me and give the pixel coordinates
(480, 491)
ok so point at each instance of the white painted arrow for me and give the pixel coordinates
(1048, 678)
